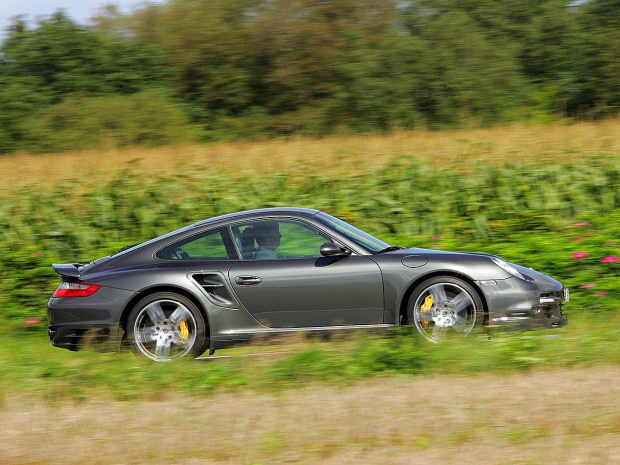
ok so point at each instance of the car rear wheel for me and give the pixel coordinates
(444, 305)
(166, 326)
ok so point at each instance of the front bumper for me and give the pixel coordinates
(539, 318)
(525, 304)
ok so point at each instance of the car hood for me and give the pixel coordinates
(421, 251)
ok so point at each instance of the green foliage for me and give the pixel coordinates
(247, 69)
(599, 67)
(78, 123)
(60, 57)
(525, 214)
(46, 74)
(29, 366)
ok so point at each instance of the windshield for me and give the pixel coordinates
(355, 235)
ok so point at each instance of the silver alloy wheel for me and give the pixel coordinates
(444, 307)
(165, 330)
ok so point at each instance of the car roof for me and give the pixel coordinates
(222, 220)
(277, 211)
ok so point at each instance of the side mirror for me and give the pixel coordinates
(329, 249)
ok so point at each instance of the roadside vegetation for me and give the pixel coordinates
(555, 208)
(560, 216)
(30, 368)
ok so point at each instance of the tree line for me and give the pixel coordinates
(201, 70)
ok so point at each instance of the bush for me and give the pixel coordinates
(145, 118)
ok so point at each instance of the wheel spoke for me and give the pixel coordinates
(461, 323)
(439, 292)
(162, 349)
(462, 301)
(155, 312)
(438, 332)
(180, 314)
(147, 334)
(424, 316)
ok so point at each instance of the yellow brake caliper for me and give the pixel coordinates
(425, 307)
(184, 331)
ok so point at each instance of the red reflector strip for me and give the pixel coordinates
(67, 289)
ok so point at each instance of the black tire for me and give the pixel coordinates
(454, 307)
(166, 326)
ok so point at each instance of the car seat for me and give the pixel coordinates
(247, 243)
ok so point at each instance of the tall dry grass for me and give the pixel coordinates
(558, 416)
(462, 149)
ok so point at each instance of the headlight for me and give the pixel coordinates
(507, 267)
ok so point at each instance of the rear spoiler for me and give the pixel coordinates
(68, 270)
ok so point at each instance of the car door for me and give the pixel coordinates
(292, 285)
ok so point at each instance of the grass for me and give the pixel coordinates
(30, 366)
(544, 416)
(518, 398)
(460, 150)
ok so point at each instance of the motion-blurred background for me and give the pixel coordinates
(451, 124)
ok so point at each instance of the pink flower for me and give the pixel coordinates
(587, 286)
(610, 244)
(580, 255)
(33, 321)
(578, 239)
(581, 223)
(436, 238)
(38, 254)
(602, 293)
(609, 259)
(436, 246)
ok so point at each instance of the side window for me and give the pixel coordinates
(274, 239)
(299, 240)
(209, 246)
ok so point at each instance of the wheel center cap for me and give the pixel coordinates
(164, 329)
(444, 314)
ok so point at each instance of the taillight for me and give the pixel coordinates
(68, 289)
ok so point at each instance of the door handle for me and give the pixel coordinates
(247, 280)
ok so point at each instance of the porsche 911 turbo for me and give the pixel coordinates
(228, 279)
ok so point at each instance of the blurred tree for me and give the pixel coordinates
(255, 68)
(83, 122)
(598, 58)
(59, 58)
(547, 53)
(463, 72)
(305, 41)
(209, 44)
(548, 45)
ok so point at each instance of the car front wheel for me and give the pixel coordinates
(166, 326)
(443, 305)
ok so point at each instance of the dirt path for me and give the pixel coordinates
(567, 416)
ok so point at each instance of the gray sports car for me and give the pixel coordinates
(271, 271)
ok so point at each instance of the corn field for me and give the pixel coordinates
(563, 219)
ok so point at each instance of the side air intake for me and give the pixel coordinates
(215, 287)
